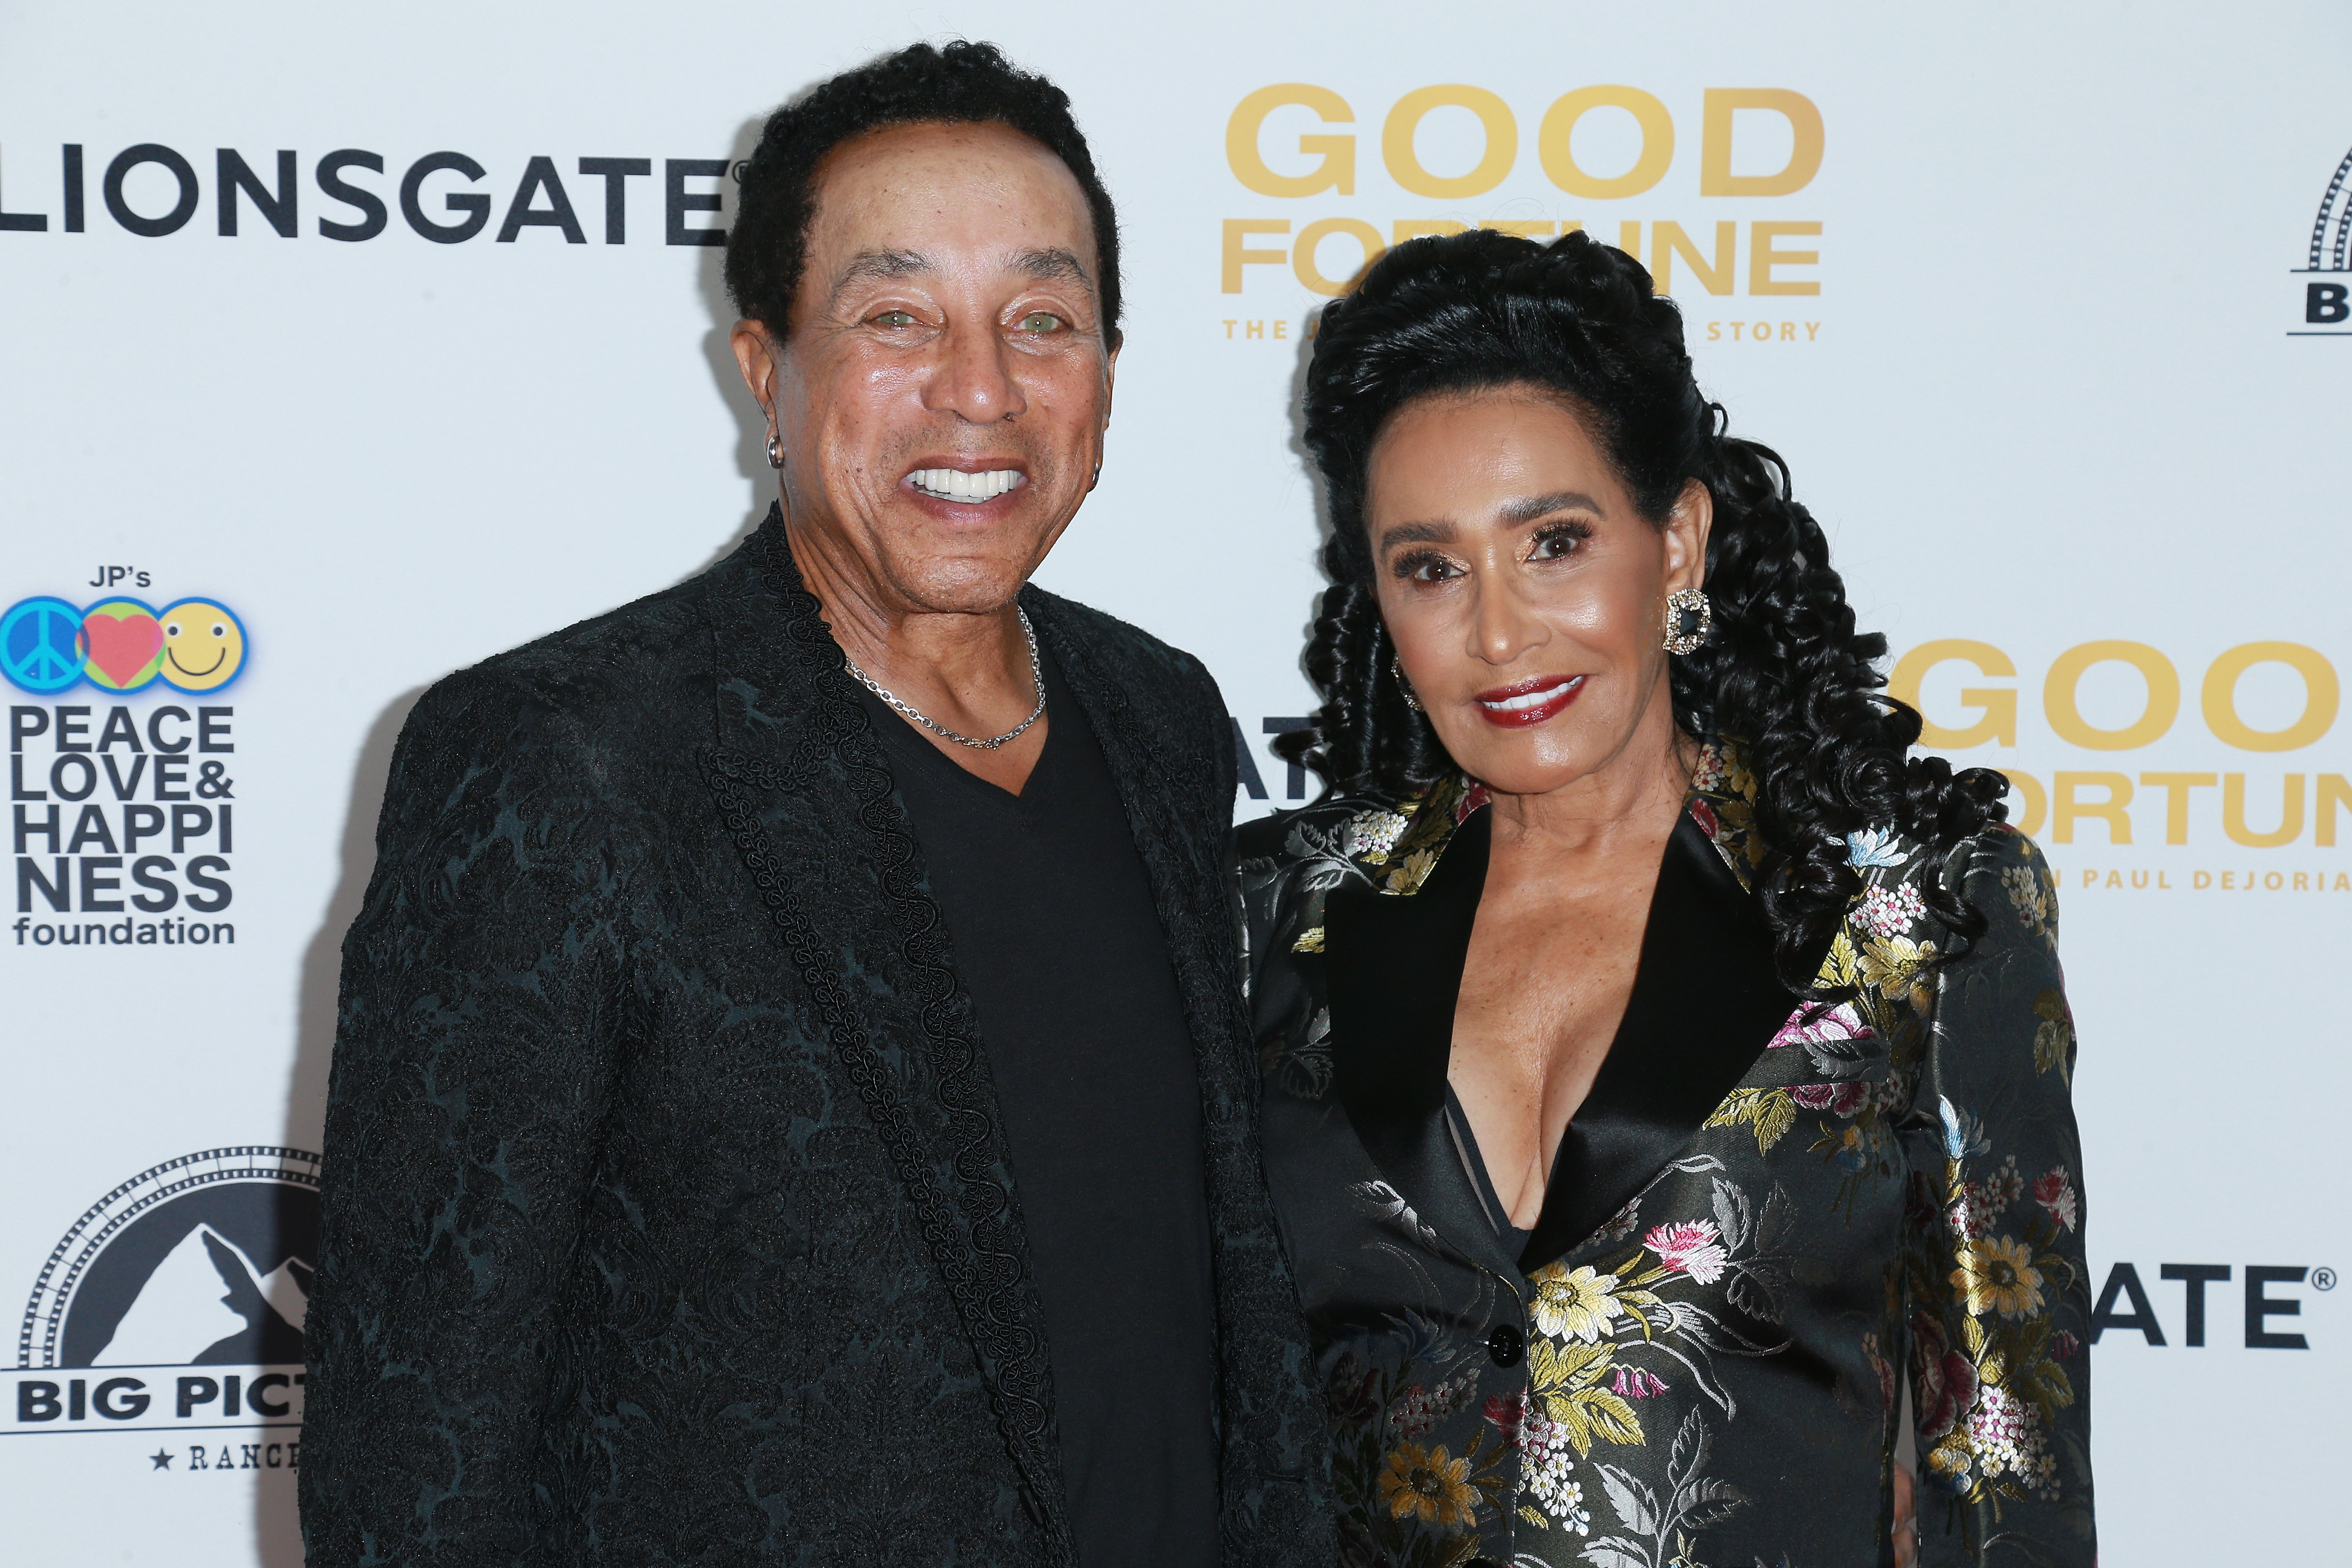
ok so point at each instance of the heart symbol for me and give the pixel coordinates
(122, 648)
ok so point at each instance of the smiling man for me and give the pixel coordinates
(792, 1102)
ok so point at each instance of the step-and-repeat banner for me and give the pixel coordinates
(341, 348)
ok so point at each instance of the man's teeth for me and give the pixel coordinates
(1530, 699)
(954, 484)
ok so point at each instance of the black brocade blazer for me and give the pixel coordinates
(667, 1212)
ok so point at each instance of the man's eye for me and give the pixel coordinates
(1041, 321)
(895, 320)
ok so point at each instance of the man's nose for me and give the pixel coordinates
(973, 378)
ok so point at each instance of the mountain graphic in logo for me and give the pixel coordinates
(204, 1260)
(206, 1304)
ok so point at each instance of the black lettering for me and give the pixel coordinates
(119, 726)
(230, 1405)
(140, 822)
(124, 790)
(538, 176)
(77, 1408)
(251, 1454)
(60, 893)
(332, 186)
(164, 893)
(199, 1459)
(37, 1401)
(155, 727)
(2325, 304)
(18, 789)
(2194, 1278)
(92, 884)
(73, 187)
(171, 771)
(212, 724)
(472, 202)
(2124, 1280)
(198, 869)
(73, 725)
(2260, 1305)
(275, 207)
(616, 172)
(24, 723)
(132, 1405)
(89, 776)
(90, 829)
(263, 1386)
(22, 223)
(46, 827)
(1246, 765)
(181, 210)
(675, 172)
(189, 822)
(195, 1391)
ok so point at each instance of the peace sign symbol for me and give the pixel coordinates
(36, 644)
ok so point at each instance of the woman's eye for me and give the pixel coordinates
(1427, 569)
(1553, 546)
(1041, 321)
(895, 320)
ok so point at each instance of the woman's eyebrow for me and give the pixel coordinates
(1527, 509)
(1416, 533)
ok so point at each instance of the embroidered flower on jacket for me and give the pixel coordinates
(1579, 1306)
(1429, 1484)
(1708, 775)
(1370, 835)
(1998, 1276)
(1422, 1408)
(1887, 911)
(2055, 1192)
(1874, 846)
(1692, 1246)
(2007, 1435)
(1634, 1383)
(1508, 1414)
(2027, 895)
(1544, 1465)
(1943, 1381)
(1892, 963)
(1838, 1099)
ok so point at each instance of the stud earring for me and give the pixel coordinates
(1690, 618)
(1412, 699)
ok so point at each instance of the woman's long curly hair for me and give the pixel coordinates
(1785, 671)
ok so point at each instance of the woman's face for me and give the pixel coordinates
(1526, 594)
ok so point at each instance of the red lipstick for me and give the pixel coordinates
(1526, 703)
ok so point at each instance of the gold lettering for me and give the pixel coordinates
(1996, 705)
(1667, 240)
(1714, 175)
(2320, 694)
(1552, 138)
(2176, 788)
(1404, 164)
(1302, 254)
(1336, 172)
(2066, 673)
(2066, 808)
(2234, 813)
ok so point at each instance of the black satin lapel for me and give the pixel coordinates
(1706, 1002)
(1394, 966)
(805, 795)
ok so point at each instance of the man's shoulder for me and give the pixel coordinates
(1145, 666)
(624, 677)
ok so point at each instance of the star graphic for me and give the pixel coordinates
(162, 1457)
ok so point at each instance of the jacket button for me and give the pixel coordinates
(1506, 1344)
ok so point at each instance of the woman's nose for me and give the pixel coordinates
(1503, 627)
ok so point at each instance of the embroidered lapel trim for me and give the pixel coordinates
(966, 1216)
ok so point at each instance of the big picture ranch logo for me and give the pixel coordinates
(176, 1303)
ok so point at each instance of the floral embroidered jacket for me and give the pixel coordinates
(1760, 1211)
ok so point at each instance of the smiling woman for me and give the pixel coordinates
(1653, 1049)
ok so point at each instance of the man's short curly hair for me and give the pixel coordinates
(962, 83)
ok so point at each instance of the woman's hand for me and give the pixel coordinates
(1906, 1524)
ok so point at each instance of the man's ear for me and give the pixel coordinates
(1110, 376)
(1686, 529)
(756, 355)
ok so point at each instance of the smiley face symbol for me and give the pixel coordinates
(203, 645)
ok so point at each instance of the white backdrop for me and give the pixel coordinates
(2060, 373)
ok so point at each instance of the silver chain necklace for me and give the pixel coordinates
(907, 710)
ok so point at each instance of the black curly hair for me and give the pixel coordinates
(961, 83)
(1784, 671)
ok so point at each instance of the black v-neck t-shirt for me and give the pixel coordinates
(1057, 939)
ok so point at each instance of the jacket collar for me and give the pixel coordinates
(807, 798)
(1705, 1004)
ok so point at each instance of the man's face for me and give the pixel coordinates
(942, 399)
